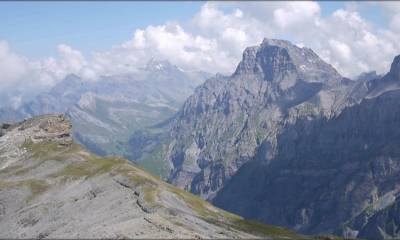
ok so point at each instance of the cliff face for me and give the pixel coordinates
(326, 173)
(223, 123)
(51, 187)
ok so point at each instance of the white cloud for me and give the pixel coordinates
(341, 50)
(21, 78)
(168, 41)
(296, 13)
(395, 22)
(354, 45)
(12, 66)
(71, 60)
(232, 31)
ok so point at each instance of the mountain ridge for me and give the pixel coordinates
(52, 187)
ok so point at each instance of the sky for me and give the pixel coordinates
(42, 42)
(36, 28)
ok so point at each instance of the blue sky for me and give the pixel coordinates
(368, 10)
(34, 29)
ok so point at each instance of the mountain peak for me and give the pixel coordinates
(276, 42)
(277, 59)
(395, 68)
(159, 65)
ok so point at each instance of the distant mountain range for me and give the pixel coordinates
(288, 141)
(109, 114)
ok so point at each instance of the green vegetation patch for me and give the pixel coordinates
(36, 186)
(155, 164)
(80, 162)
(151, 195)
(139, 178)
(46, 150)
(200, 206)
(90, 166)
(228, 220)
(261, 229)
(10, 170)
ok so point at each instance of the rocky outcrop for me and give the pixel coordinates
(51, 187)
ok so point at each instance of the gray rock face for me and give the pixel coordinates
(288, 141)
(51, 187)
(382, 224)
(326, 171)
(277, 60)
(221, 126)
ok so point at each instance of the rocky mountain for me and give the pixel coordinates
(330, 175)
(108, 112)
(222, 125)
(59, 99)
(288, 141)
(51, 187)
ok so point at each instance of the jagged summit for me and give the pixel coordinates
(389, 82)
(276, 60)
(159, 65)
(395, 68)
(278, 42)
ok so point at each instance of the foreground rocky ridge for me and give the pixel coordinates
(51, 187)
(305, 147)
